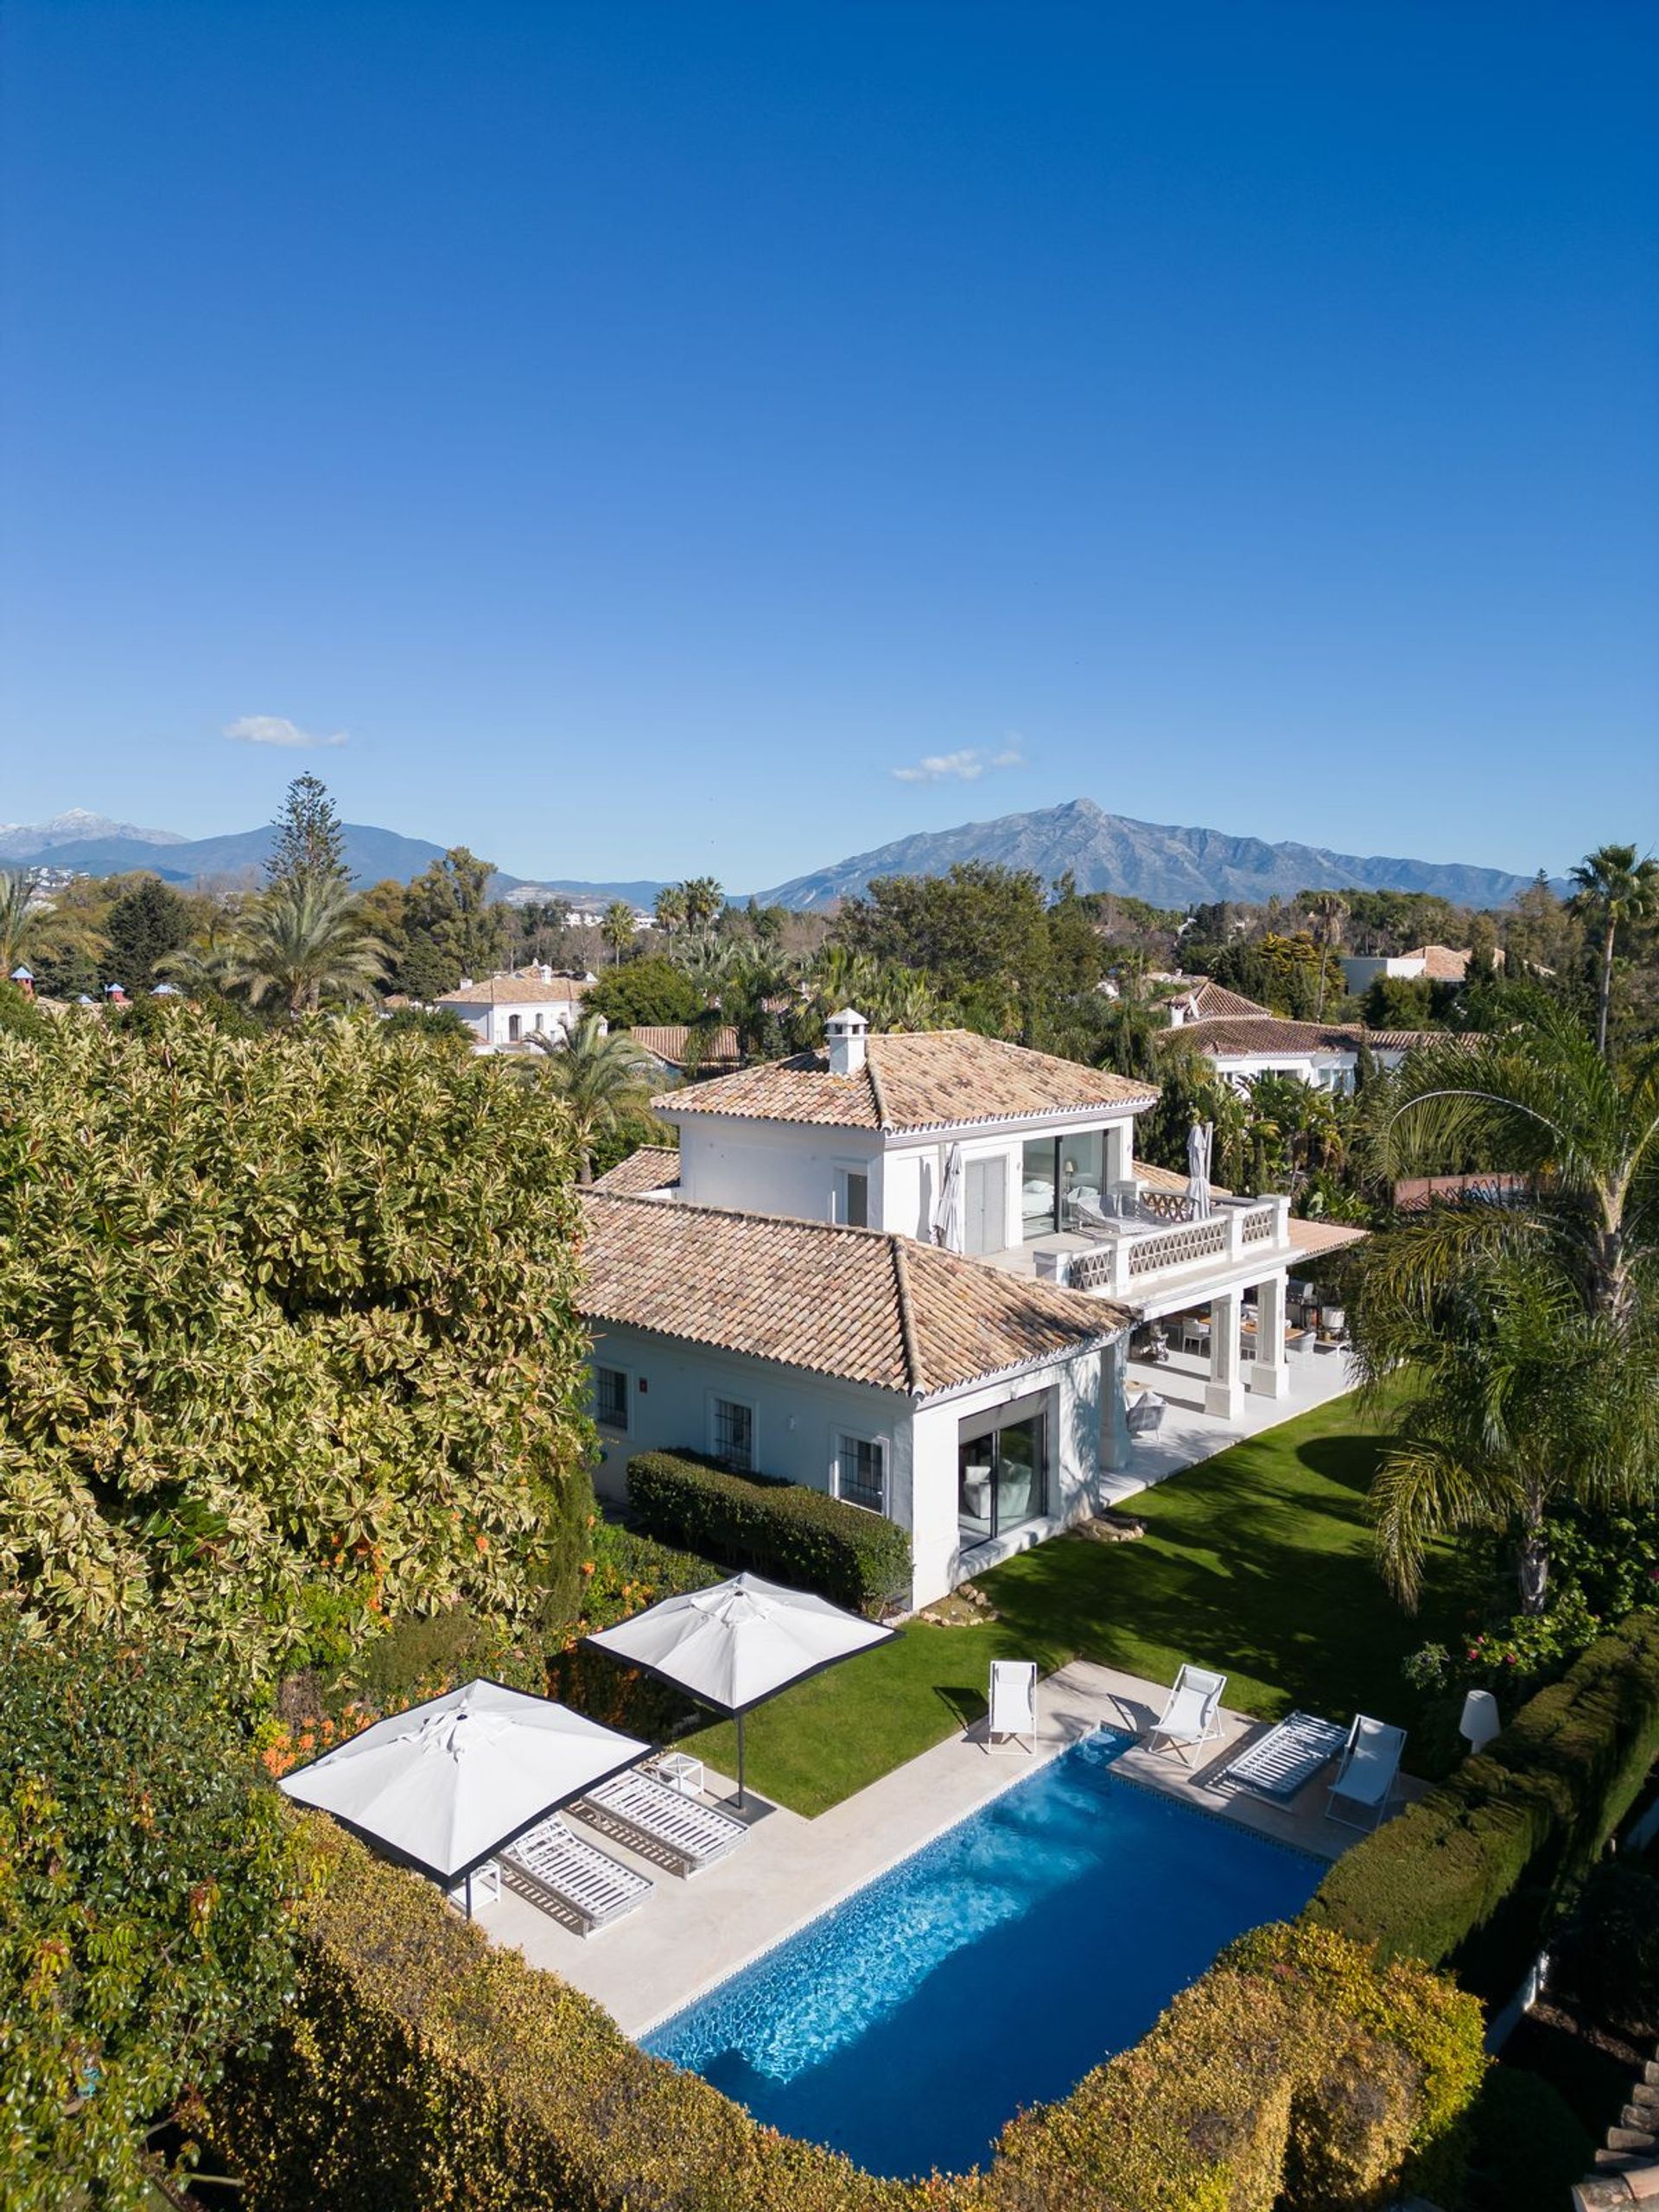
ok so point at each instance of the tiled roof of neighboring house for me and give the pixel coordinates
(653, 1168)
(1207, 997)
(1443, 963)
(1166, 1179)
(1313, 1237)
(668, 1042)
(1267, 1034)
(855, 1303)
(516, 990)
(927, 1079)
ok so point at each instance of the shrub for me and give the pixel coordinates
(799, 1536)
(422, 2070)
(625, 1573)
(1608, 1956)
(1522, 1820)
(147, 1889)
(1529, 2147)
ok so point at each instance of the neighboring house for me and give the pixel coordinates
(1434, 963)
(1323, 1054)
(805, 1209)
(508, 1010)
(679, 1048)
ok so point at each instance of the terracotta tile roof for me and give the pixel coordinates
(1314, 1237)
(1166, 1179)
(1268, 1034)
(927, 1079)
(516, 990)
(653, 1168)
(667, 1042)
(1442, 963)
(1207, 997)
(854, 1303)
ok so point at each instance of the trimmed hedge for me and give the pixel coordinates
(1521, 1821)
(422, 2070)
(796, 1535)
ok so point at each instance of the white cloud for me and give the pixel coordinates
(276, 729)
(964, 766)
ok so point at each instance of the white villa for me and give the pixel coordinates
(507, 1010)
(1244, 1040)
(776, 1294)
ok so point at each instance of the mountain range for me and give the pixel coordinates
(1160, 863)
(1157, 861)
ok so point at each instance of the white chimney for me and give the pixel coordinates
(546, 973)
(843, 1035)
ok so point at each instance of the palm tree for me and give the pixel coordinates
(1329, 909)
(616, 927)
(669, 909)
(1615, 891)
(304, 939)
(211, 959)
(1526, 1337)
(32, 924)
(606, 1081)
(705, 902)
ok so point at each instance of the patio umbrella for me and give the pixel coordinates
(445, 1785)
(737, 1644)
(1198, 1139)
(947, 1211)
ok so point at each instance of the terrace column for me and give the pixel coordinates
(1114, 1414)
(1223, 1395)
(1270, 1371)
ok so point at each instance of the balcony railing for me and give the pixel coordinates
(1125, 1262)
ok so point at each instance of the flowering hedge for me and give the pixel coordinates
(424, 2069)
(1522, 1820)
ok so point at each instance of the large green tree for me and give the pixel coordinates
(308, 845)
(1613, 891)
(303, 942)
(451, 927)
(149, 921)
(145, 1909)
(287, 1346)
(653, 991)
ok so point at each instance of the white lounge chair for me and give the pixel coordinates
(1145, 1415)
(1191, 1714)
(560, 1872)
(659, 1823)
(1365, 1779)
(1013, 1702)
(1279, 1766)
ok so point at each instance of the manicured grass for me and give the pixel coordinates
(1258, 1562)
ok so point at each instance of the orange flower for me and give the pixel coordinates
(482, 1543)
(588, 1567)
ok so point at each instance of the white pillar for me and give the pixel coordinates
(1270, 1371)
(1223, 1395)
(1120, 1153)
(1114, 1412)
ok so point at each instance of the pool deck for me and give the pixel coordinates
(692, 1934)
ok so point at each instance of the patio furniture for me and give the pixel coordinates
(1145, 1416)
(563, 1873)
(1195, 1335)
(1013, 1702)
(976, 1490)
(680, 1771)
(1365, 1779)
(1191, 1714)
(1279, 1765)
(659, 1823)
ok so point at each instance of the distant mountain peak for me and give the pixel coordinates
(80, 823)
(1163, 863)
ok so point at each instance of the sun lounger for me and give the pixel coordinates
(659, 1823)
(1365, 1779)
(1014, 1701)
(1145, 1415)
(1282, 1762)
(1191, 1714)
(560, 1871)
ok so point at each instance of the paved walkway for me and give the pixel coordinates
(1189, 1434)
(691, 1933)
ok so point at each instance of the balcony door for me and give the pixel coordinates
(1003, 1475)
(985, 1206)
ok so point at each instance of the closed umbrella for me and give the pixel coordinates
(947, 1212)
(737, 1644)
(1198, 1139)
(446, 1785)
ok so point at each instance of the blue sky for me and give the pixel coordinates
(638, 431)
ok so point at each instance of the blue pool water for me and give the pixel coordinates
(988, 1972)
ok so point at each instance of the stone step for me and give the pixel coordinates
(1646, 2093)
(1650, 2071)
(1633, 2138)
(1617, 2162)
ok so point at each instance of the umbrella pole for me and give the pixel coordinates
(469, 1897)
(742, 1802)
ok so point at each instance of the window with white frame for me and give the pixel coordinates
(861, 1471)
(731, 1434)
(610, 1397)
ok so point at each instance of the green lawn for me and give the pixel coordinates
(1258, 1562)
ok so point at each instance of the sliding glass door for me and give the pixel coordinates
(1001, 1477)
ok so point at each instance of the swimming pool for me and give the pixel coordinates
(988, 1971)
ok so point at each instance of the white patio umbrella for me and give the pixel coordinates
(1198, 1139)
(947, 1211)
(445, 1785)
(740, 1643)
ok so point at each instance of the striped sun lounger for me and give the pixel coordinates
(1284, 1761)
(549, 1862)
(659, 1823)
